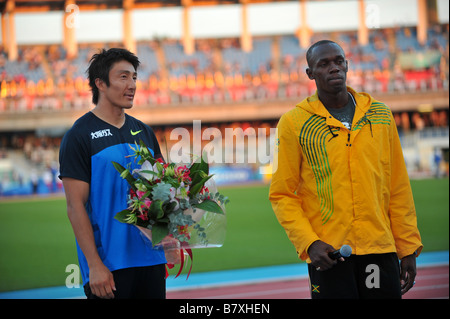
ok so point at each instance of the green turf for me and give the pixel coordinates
(431, 198)
(37, 243)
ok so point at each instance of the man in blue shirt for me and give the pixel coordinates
(115, 260)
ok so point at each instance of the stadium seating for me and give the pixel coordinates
(220, 70)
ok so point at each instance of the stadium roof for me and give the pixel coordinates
(56, 5)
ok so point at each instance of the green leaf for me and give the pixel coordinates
(145, 152)
(195, 188)
(198, 170)
(122, 216)
(159, 231)
(197, 176)
(178, 218)
(146, 171)
(161, 191)
(210, 206)
(156, 211)
(169, 206)
(202, 166)
(118, 167)
(164, 220)
(125, 174)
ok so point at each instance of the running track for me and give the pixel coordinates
(273, 282)
(432, 282)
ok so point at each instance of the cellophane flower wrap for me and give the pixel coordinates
(176, 206)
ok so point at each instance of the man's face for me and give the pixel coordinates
(328, 68)
(122, 85)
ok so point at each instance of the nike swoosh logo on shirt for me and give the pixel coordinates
(135, 133)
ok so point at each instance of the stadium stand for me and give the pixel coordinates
(45, 79)
(220, 70)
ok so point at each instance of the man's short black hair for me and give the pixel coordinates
(315, 45)
(101, 63)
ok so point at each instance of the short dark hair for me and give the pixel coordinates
(101, 63)
(315, 45)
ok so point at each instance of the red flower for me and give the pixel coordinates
(146, 204)
(183, 230)
(144, 217)
(205, 190)
(140, 194)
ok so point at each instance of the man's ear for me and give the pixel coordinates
(309, 74)
(100, 84)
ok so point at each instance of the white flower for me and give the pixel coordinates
(146, 166)
(177, 205)
(172, 192)
(181, 191)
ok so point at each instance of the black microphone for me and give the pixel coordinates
(345, 251)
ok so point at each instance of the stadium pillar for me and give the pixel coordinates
(10, 32)
(363, 32)
(128, 38)
(246, 37)
(188, 40)
(422, 21)
(69, 26)
(304, 34)
(4, 33)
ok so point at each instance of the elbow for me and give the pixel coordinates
(74, 210)
(71, 212)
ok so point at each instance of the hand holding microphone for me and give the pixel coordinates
(324, 256)
(345, 251)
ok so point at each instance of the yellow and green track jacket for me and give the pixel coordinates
(341, 186)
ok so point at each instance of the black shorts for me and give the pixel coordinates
(137, 282)
(358, 277)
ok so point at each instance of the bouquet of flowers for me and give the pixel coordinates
(177, 207)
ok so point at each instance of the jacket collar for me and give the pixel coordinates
(313, 105)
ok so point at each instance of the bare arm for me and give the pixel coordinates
(100, 278)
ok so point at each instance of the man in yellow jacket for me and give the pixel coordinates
(340, 179)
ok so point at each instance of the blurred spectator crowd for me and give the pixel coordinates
(34, 159)
(220, 71)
